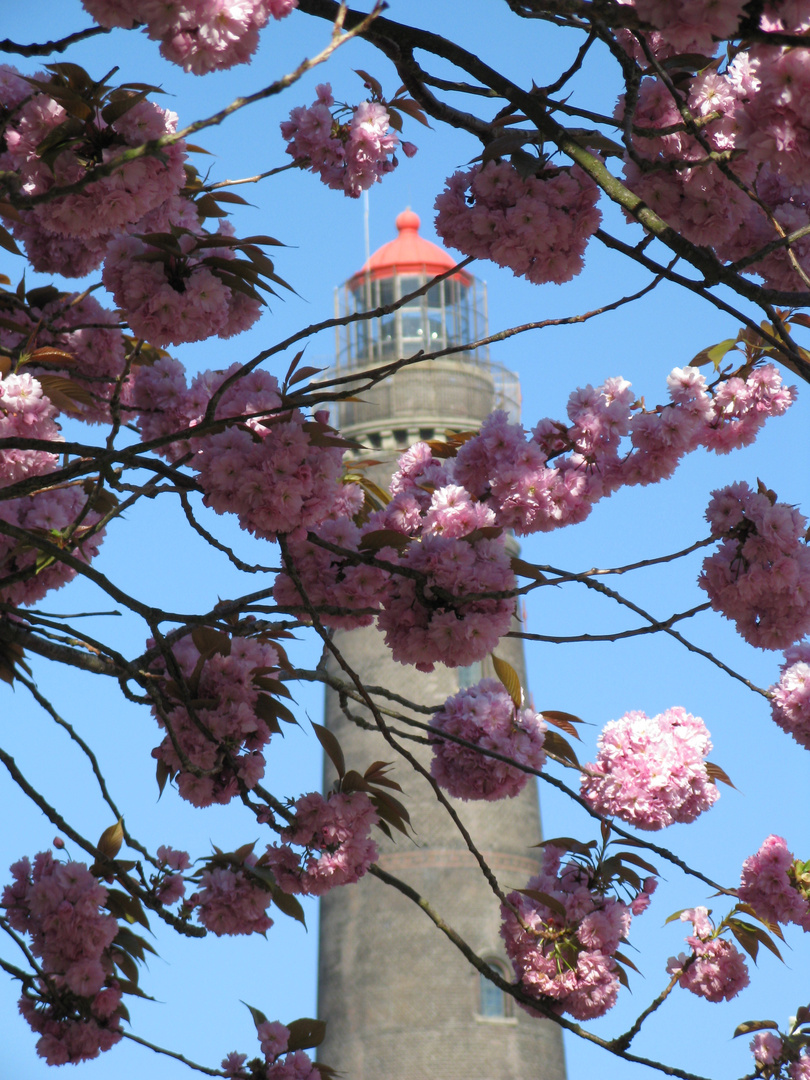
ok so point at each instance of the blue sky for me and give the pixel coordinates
(198, 986)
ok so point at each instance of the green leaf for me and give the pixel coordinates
(124, 962)
(754, 1025)
(229, 197)
(257, 1014)
(120, 106)
(289, 906)
(111, 839)
(65, 394)
(525, 569)
(743, 933)
(510, 679)
(306, 1033)
(675, 915)
(713, 354)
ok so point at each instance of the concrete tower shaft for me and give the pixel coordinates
(400, 1000)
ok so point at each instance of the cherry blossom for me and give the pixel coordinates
(348, 156)
(790, 697)
(486, 716)
(199, 35)
(277, 471)
(81, 327)
(760, 575)
(59, 907)
(334, 833)
(769, 884)
(232, 902)
(220, 746)
(538, 226)
(650, 771)
(717, 971)
(562, 954)
(105, 205)
(690, 25)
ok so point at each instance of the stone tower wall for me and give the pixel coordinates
(401, 1002)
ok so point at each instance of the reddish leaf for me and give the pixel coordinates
(332, 748)
(714, 772)
(543, 898)
(557, 745)
(563, 720)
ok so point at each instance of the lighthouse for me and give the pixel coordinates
(400, 1000)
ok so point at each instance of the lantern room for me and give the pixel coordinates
(454, 391)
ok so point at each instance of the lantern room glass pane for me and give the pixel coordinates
(410, 284)
(412, 326)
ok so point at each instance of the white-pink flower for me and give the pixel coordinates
(651, 771)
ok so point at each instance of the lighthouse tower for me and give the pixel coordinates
(400, 1001)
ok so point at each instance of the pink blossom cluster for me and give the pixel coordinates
(691, 25)
(775, 1056)
(769, 884)
(501, 479)
(790, 697)
(715, 969)
(554, 478)
(443, 596)
(348, 156)
(26, 412)
(766, 1048)
(280, 1064)
(108, 204)
(59, 906)
(199, 35)
(50, 515)
(217, 746)
(334, 833)
(276, 470)
(754, 114)
(80, 326)
(170, 886)
(566, 959)
(455, 609)
(351, 590)
(180, 299)
(760, 575)
(486, 716)
(538, 226)
(232, 901)
(651, 771)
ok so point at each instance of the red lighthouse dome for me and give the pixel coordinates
(409, 254)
